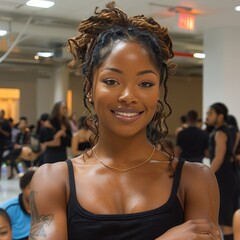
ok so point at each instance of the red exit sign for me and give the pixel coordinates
(186, 21)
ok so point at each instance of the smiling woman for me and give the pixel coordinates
(124, 188)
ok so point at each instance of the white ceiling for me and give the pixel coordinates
(49, 29)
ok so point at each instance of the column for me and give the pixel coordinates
(221, 76)
(61, 82)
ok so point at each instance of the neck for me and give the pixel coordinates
(219, 124)
(192, 124)
(123, 150)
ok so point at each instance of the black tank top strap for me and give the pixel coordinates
(71, 178)
(177, 177)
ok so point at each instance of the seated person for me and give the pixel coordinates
(18, 209)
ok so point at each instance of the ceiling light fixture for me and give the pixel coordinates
(199, 55)
(3, 32)
(40, 3)
(45, 54)
(237, 8)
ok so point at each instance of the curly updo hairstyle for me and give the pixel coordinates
(96, 38)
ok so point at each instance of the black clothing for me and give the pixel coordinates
(147, 225)
(4, 140)
(82, 146)
(54, 154)
(23, 138)
(225, 176)
(228, 237)
(193, 142)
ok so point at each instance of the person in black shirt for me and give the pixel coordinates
(192, 142)
(5, 133)
(56, 135)
(124, 187)
(221, 150)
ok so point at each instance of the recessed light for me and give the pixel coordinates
(3, 32)
(40, 3)
(45, 54)
(199, 55)
(237, 8)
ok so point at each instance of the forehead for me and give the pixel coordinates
(125, 53)
(211, 111)
(3, 222)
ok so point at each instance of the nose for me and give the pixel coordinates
(128, 96)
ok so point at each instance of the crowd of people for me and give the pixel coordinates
(124, 180)
(47, 142)
(219, 142)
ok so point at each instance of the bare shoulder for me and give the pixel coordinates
(197, 172)
(200, 194)
(50, 178)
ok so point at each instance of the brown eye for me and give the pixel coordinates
(110, 82)
(146, 84)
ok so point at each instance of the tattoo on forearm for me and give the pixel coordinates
(38, 221)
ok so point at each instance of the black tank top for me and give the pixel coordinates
(147, 225)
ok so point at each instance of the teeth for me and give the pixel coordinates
(126, 114)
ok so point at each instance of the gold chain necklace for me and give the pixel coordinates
(126, 169)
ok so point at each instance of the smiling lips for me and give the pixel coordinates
(127, 115)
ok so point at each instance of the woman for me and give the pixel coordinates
(56, 135)
(5, 226)
(81, 138)
(123, 188)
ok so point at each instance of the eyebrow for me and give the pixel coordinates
(3, 228)
(138, 74)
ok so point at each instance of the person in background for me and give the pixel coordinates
(42, 123)
(57, 135)
(5, 226)
(233, 125)
(81, 139)
(124, 187)
(232, 122)
(221, 147)
(183, 125)
(18, 209)
(22, 139)
(192, 142)
(5, 133)
(73, 122)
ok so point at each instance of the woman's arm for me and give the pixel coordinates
(200, 198)
(220, 150)
(236, 225)
(48, 203)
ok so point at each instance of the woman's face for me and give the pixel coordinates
(5, 229)
(126, 90)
